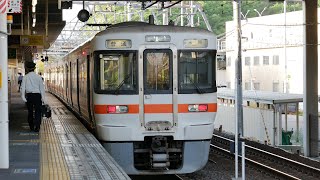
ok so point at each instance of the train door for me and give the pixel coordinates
(88, 88)
(67, 82)
(70, 83)
(158, 99)
(78, 88)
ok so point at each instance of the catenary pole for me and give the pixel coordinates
(310, 78)
(238, 81)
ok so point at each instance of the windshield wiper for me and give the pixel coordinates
(199, 90)
(116, 91)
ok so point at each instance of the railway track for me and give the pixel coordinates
(273, 164)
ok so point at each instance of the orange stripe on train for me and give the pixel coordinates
(100, 109)
(158, 108)
(154, 108)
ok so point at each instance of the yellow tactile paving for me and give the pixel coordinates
(52, 162)
(68, 151)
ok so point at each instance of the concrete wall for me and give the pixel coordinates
(253, 121)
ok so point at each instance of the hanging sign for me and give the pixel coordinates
(32, 40)
(14, 6)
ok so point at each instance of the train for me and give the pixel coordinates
(147, 91)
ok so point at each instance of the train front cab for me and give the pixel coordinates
(155, 107)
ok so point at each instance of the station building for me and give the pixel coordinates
(268, 63)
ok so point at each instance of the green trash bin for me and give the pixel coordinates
(286, 136)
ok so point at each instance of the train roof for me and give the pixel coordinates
(136, 26)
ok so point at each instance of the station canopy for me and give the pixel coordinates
(54, 28)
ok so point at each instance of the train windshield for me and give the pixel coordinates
(116, 72)
(196, 72)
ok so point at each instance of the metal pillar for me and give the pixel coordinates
(4, 137)
(142, 16)
(181, 14)
(310, 78)
(238, 81)
(47, 19)
(129, 15)
(297, 121)
(28, 19)
(279, 129)
(275, 108)
(238, 66)
(285, 89)
(165, 17)
(191, 14)
(286, 117)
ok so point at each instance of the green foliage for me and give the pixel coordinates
(218, 12)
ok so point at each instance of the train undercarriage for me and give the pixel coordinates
(158, 153)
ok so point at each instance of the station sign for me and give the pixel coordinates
(14, 6)
(32, 40)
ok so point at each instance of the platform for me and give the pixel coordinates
(63, 149)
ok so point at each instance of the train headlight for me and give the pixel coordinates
(195, 43)
(158, 38)
(198, 108)
(117, 109)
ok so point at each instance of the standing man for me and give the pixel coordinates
(32, 92)
(20, 80)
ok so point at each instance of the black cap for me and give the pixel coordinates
(30, 65)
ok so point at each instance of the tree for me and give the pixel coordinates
(218, 12)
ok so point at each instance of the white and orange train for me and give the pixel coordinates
(147, 91)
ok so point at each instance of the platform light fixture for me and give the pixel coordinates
(83, 14)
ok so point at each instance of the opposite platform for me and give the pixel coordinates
(63, 149)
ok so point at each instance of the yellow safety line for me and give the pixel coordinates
(24, 141)
(53, 165)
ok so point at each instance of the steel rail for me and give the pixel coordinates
(259, 164)
(266, 152)
(177, 176)
(290, 160)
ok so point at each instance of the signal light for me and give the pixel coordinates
(117, 109)
(198, 107)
